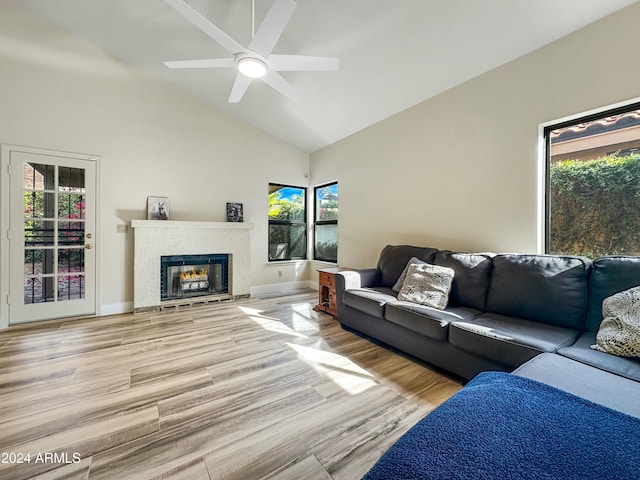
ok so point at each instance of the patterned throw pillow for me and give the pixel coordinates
(619, 332)
(427, 284)
(403, 275)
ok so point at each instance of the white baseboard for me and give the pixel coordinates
(282, 288)
(115, 309)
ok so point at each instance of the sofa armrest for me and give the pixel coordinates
(349, 279)
(359, 278)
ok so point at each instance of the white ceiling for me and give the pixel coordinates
(393, 54)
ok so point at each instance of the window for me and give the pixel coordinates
(326, 223)
(287, 222)
(593, 184)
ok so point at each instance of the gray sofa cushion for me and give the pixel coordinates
(424, 320)
(369, 300)
(579, 379)
(508, 340)
(610, 275)
(582, 352)
(471, 279)
(394, 258)
(545, 288)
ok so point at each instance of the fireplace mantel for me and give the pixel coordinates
(155, 238)
(169, 224)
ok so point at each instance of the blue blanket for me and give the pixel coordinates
(506, 427)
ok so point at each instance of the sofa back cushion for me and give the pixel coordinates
(394, 258)
(472, 273)
(609, 276)
(551, 289)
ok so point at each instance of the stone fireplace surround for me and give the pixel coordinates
(155, 238)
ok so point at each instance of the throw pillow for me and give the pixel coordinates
(427, 284)
(403, 275)
(619, 332)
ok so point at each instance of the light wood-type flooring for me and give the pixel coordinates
(249, 389)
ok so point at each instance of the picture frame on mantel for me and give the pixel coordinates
(157, 208)
(234, 212)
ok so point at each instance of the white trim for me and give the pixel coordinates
(541, 211)
(282, 288)
(4, 229)
(5, 154)
(275, 263)
(593, 111)
(115, 309)
(178, 224)
(98, 236)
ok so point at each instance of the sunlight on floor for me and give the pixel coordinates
(302, 320)
(303, 309)
(271, 324)
(337, 368)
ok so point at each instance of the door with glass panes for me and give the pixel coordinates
(52, 236)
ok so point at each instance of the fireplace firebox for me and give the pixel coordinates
(186, 276)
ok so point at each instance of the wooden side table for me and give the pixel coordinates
(327, 290)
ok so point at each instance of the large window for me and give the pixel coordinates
(326, 223)
(593, 184)
(287, 222)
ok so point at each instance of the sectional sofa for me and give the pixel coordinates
(567, 411)
(503, 309)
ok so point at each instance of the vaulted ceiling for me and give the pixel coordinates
(393, 54)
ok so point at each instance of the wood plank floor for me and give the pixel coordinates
(251, 389)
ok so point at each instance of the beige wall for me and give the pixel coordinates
(459, 171)
(59, 92)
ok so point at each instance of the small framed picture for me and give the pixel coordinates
(234, 212)
(157, 208)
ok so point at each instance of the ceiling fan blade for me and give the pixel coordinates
(206, 26)
(278, 83)
(293, 63)
(240, 86)
(272, 27)
(204, 63)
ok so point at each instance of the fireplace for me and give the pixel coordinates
(187, 276)
(154, 239)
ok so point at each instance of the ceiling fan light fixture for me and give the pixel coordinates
(254, 61)
(252, 67)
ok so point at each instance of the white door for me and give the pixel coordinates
(52, 267)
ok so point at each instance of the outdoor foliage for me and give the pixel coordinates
(326, 242)
(329, 211)
(595, 205)
(326, 228)
(291, 210)
(327, 203)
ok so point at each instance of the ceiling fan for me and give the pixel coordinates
(256, 61)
